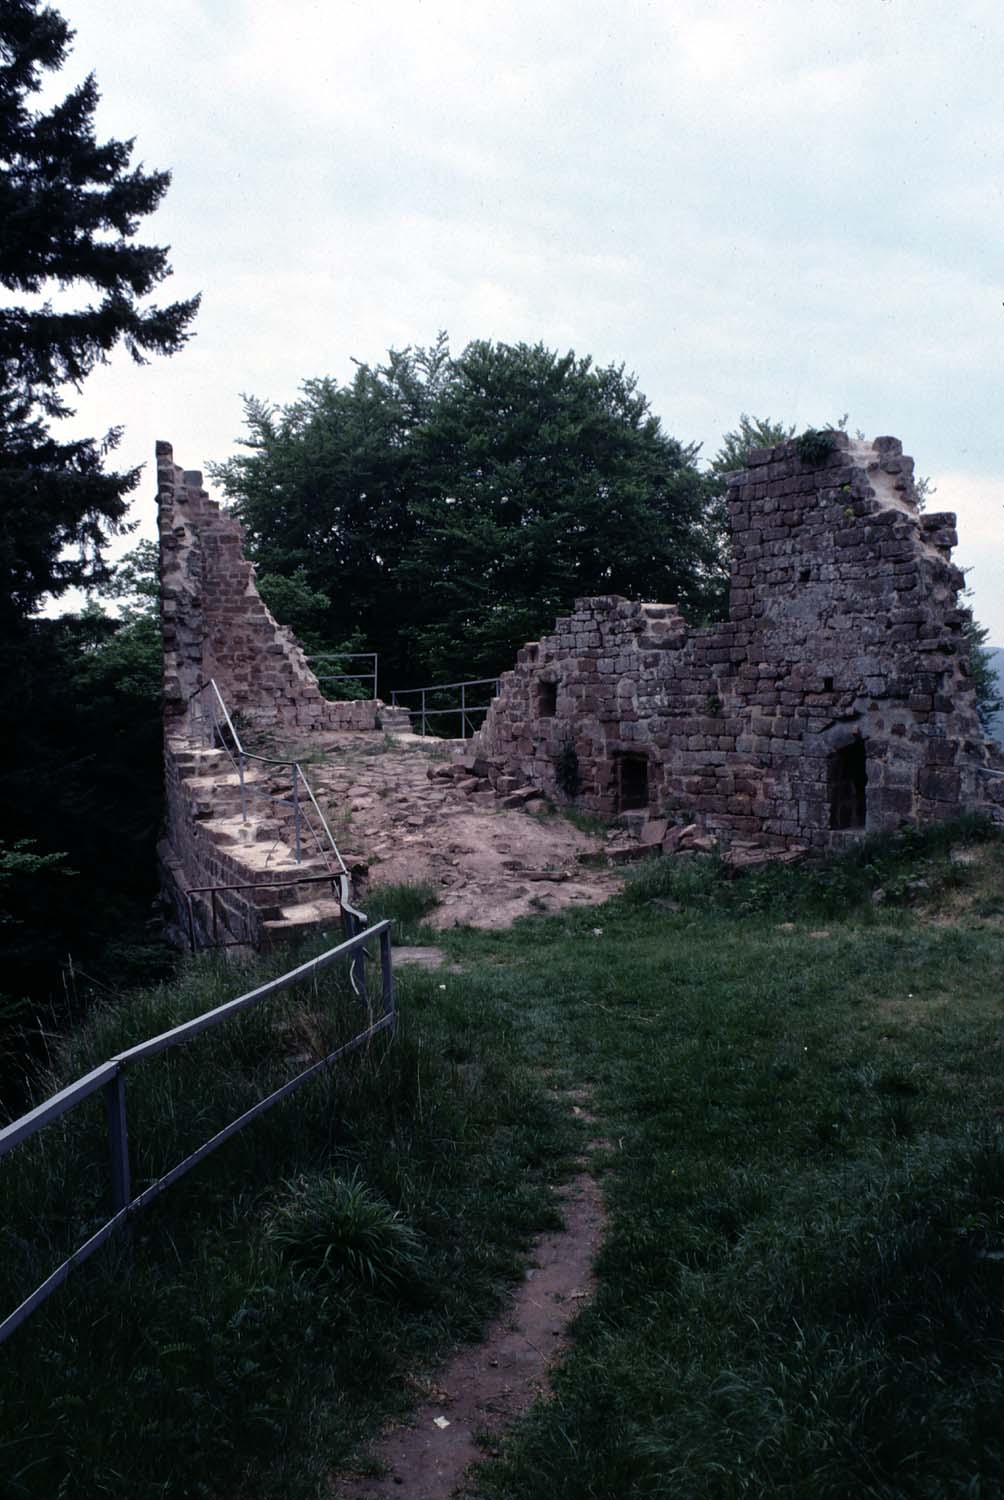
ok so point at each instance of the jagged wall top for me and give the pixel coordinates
(216, 625)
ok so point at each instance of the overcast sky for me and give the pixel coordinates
(786, 207)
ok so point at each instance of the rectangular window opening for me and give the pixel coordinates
(547, 700)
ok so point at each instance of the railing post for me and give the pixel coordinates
(244, 800)
(118, 1141)
(423, 710)
(296, 810)
(376, 664)
(216, 928)
(463, 710)
(387, 977)
(191, 923)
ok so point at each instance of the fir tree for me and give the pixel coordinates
(79, 730)
(70, 207)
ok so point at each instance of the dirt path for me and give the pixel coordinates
(489, 864)
(486, 1386)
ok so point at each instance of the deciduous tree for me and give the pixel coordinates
(451, 508)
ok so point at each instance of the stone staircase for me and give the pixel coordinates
(264, 894)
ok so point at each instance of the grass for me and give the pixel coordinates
(802, 1288)
(211, 1356)
(801, 1291)
(406, 905)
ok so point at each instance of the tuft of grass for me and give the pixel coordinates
(585, 822)
(336, 1228)
(406, 904)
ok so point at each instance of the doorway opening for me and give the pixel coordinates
(847, 780)
(632, 782)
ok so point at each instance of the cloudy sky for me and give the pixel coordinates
(793, 208)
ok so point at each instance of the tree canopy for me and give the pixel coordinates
(450, 508)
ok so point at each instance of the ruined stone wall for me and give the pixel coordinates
(216, 625)
(836, 698)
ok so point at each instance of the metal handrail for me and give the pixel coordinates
(110, 1076)
(297, 775)
(323, 656)
(464, 709)
(352, 917)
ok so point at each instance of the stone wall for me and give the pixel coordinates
(837, 697)
(216, 625)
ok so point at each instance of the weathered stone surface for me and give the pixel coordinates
(216, 627)
(836, 699)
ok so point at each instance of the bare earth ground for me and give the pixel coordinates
(489, 864)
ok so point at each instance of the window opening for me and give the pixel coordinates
(632, 773)
(847, 774)
(547, 700)
(827, 684)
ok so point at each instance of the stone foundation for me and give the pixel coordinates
(837, 698)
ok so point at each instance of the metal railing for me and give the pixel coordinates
(208, 715)
(110, 1077)
(213, 892)
(340, 656)
(464, 708)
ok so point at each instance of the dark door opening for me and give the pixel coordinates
(632, 779)
(547, 700)
(847, 779)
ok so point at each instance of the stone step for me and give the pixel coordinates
(301, 918)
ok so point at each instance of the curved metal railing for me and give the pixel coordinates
(208, 712)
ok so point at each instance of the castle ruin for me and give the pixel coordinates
(230, 859)
(836, 699)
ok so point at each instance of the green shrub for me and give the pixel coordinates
(814, 445)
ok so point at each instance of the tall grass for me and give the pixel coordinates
(207, 1355)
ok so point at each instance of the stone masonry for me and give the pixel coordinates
(836, 699)
(216, 624)
(217, 627)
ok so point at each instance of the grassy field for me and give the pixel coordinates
(802, 1288)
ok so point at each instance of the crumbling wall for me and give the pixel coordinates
(216, 625)
(836, 698)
